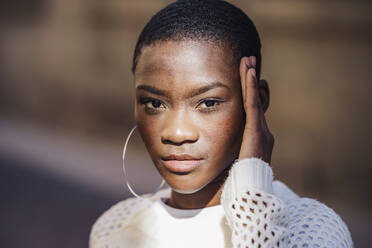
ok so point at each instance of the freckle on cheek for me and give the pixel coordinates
(227, 132)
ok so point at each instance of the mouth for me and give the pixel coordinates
(182, 163)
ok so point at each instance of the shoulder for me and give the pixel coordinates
(313, 222)
(282, 191)
(118, 216)
(114, 219)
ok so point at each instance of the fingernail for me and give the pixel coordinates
(253, 61)
(248, 62)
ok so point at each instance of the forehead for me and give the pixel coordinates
(186, 62)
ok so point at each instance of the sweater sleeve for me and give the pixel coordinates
(258, 218)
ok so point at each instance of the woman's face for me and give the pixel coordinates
(189, 111)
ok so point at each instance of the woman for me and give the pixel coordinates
(200, 108)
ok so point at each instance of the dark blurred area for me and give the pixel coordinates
(66, 104)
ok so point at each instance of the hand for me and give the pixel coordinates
(257, 140)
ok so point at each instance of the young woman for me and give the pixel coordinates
(200, 108)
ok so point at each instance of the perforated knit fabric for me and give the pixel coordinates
(261, 219)
(117, 218)
(260, 213)
(114, 219)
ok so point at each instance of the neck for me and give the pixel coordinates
(208, 196)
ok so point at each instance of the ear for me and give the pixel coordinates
(264, 92)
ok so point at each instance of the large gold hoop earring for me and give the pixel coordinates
(125, 173)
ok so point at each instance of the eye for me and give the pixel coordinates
(208, 105)
(151, 103)
(155, 103)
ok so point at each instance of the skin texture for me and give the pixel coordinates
(211, 126)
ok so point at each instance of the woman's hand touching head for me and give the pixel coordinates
(257, 139)
(189, 110)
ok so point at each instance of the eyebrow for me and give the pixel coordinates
(193, 93)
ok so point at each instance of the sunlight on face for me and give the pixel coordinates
(189, 110)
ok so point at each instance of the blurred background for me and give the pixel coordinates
(66, 104)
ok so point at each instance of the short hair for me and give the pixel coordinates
(207, 20)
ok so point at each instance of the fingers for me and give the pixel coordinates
(257, 139)
(250, 94)
(251, 62)
(243, 76)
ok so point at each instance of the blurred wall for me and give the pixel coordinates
(66, 95)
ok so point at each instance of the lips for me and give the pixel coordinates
(182, 163)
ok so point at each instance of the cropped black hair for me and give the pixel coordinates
(204, 20)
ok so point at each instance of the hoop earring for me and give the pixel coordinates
(125, 173)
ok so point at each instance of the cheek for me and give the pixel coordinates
(222, 135)
(224, 132)
(148, 132)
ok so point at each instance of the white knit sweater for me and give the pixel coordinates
(254, 212)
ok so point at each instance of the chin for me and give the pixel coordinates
(186, 189)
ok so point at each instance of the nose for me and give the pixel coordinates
(179, 129)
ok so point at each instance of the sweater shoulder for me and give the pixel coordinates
(114, 219)
(282, 191)
(118, 216)
(312, 223)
